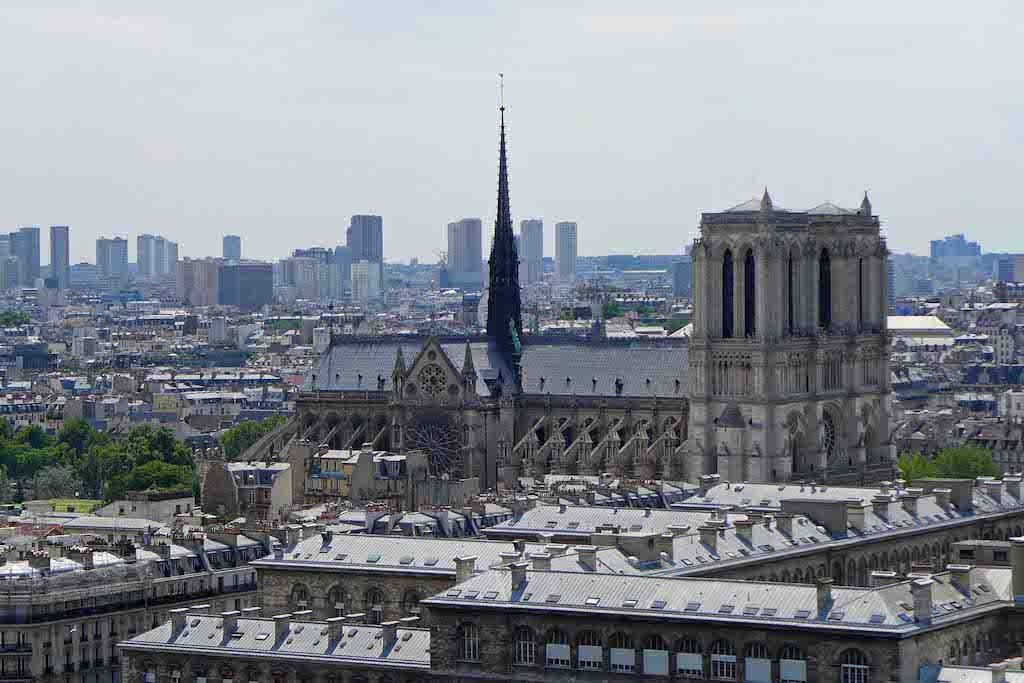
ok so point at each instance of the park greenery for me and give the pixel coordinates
(959, 462)
(13, 318)
(236, 440)
(81, 461)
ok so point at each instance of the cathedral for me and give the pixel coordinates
(784, 377)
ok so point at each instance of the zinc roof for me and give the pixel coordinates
(584, 520)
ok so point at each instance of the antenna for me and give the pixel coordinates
(501, 89)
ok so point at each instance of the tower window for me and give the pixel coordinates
(727, 294)
(749, 315)
(789, 292)
(824, 289)
(860, 291)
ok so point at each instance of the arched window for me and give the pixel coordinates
(824, 289)
(411, 604)
(336, 601)
(622, 654)
(792, 665)
(655, 656)
(853, 667)
(723, 661)
(556, 649)
(727, 294)
(524, 647)
(589, 651)
(758, 665)
(860, 291)
(469, 643)
(375, 606)
(749, 310)
(690, 658)
(300, 596)
(789, 294)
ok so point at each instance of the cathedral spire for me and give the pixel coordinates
(766, 202)
(865, 205)
(504, 315)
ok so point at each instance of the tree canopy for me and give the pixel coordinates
(958, 462)
(13, 318)
(234, 441)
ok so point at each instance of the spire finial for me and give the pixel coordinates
(501, 90)
(766, 202)
(865, 205)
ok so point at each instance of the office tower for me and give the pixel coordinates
(343, 266)
(366, 281)
(60, 255)
(531, 233)
(366, 238)
(682, 277)
(25, 247)
(248, 285)
(565, 250)
(159, 256)
(171, 261)
(112, 257)
(232, 247)
(465, 253)
(197, 281)
(145, 257)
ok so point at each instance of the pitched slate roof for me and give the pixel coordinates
(645, 368)
(584, 520)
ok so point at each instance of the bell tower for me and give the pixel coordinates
(788, 361)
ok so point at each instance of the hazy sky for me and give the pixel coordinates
(202, 118)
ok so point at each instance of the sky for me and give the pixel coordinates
(195, 119)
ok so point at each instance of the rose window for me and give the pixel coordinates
(433, 381)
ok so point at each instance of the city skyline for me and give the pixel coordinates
(628, 153)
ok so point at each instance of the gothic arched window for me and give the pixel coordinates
(860, 291)
(749, 314)
(824, 289)
(727, 294)
(789, 293)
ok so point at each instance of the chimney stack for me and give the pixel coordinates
(541, 561)
(327, 535)
(519, 545)
(855, 514)
(663, 544)
(178, 617)
(588, 556)
(678, 529)
(709, 536)
(784, 520)
(921, 589)
(824, 586)
(994, 488)
(744, 529)
(884, 487)
(880, 503)
(1012, 485)
(942, 498)
(909, 500)
(465, 567)
(518, 574)
(998, 671)
(282, 624)
(335, 627)
(230, 622)
(962, 577)
(389, 633)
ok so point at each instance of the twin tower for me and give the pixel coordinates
(788, 362)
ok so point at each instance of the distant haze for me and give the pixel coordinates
(279, 123)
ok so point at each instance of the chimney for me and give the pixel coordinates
(556, 549)
(518, 574)
(709, 536)
(744, 529)
(707, 481)
(994, 488)
(178, 618)
(465, 567)
(998, 671)
(302, 614)
(507, 557)
(824, 586)
(279, 553)
(1017, 567)
(961, 576)
(880, 503)
(230, 622)
(855, 514)
(251, 612)
(308, 530)
(588, 555)
(664, 544)
(942, 498)
(881, 578)
(335, 628)
(327, 537)
(519, 545)
(562, 508)
(884, 487)
(389, 633)
(678, 529)
(1012, 486)
(909, 500)
(921, 589)
(293, 534)
(901, 484)
(87, 558)
(784, 521)
(541, 561)
(199, 609)
(282, 624)
(355, 618)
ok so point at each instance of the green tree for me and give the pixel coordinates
(959, 462)
(153, 475)
(76, 433)
(612, 309)
(33, 435)
(915, 466)
(236, 440)
(13, 318)
(56, 482)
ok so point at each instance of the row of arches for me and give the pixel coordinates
(651, 654)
